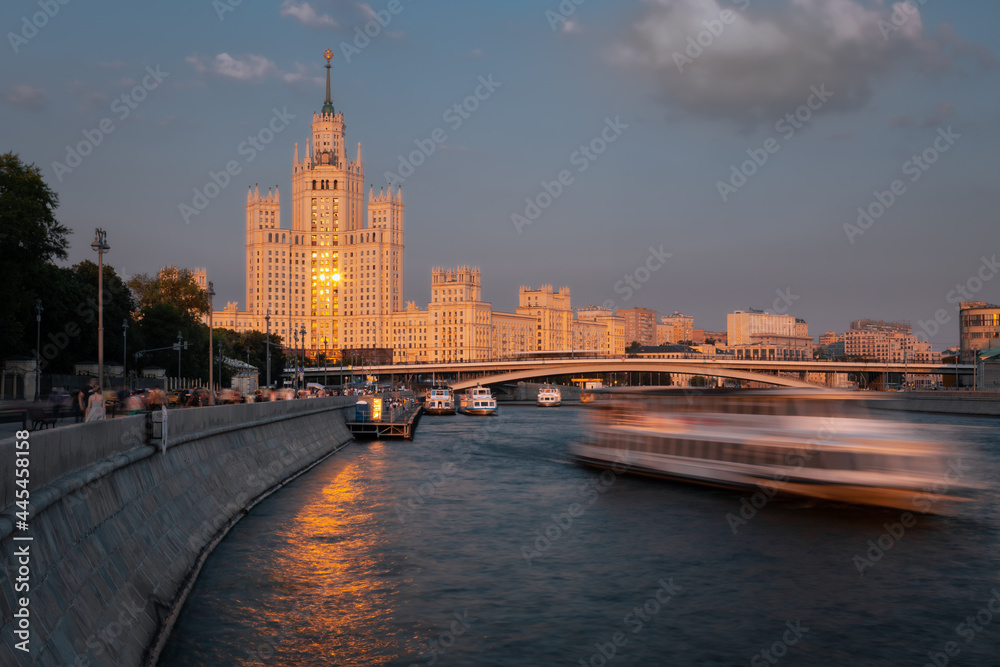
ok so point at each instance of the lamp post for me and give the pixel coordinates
(211, 380)
(267, 343)
(38, 347)
(125, 352)
(326, 362)
(295, 359)
(100, 245)
(303, 332)
(179, 345)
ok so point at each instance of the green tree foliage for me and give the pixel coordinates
(171, 285)
(30, 238)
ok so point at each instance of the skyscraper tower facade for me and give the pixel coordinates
(335, 273)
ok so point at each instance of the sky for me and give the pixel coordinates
(829, 159)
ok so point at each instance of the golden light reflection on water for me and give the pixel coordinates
(335, 595)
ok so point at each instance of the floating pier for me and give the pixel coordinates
(385, 416)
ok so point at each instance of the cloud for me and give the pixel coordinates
(760, 63)
(307, 15)
(570, 26)
(243, 68)
(26, 97)
(252, 69)
(902, 120)
(943, 112)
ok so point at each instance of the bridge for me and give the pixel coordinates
(470, 373)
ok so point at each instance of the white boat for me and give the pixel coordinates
(439, 401)
(549, 396)
(477, 401)
(816, 444)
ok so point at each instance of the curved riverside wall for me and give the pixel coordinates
(120, 529)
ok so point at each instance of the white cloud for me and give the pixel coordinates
(307, 15)
(242, 68)
(761, 62)
(26, 97)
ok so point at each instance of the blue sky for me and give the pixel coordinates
(694, 85)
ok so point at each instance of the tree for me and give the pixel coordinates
(709, 341)
(30, 237)
(632, 347)
(171, 285)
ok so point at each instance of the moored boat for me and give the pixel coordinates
(816, 444)
(439, 401)
(477, 401)
(549, 396)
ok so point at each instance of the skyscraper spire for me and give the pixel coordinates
(328, 104)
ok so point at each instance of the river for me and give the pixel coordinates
(481, 543)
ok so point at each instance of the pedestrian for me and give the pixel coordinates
(95, 406)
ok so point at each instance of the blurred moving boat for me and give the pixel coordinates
(439, 401)
(819, 444)
(549, 396)
(477, 401)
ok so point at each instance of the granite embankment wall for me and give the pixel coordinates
(120, 529)
(983, 403)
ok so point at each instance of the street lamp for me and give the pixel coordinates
(295, 359)
(303, 332)
(326, 362)
(211, 380)
(267, 318)
(38, 348)
(181, 344)
(125, 352)
(100, 246)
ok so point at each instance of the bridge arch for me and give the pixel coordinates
(637, 365)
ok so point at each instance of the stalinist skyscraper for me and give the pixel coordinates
(333, 274)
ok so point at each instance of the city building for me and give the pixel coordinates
(886, 342)
(978, 329)
(335, 272)
(332, 280)
(674, 328)
(640, 325)
(829, 338)
(757, 334)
